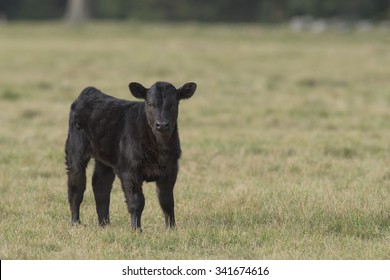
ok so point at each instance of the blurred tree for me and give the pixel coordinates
(198, 10)
(32, 9)
(8, 9)
(111, 9)
(77, 11)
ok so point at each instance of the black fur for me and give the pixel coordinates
(137, 141)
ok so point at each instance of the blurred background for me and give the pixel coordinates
(285, 143)
(268, 11)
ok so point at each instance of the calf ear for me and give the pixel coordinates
(187, 90)
(138, 90)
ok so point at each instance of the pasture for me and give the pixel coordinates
(286, 143)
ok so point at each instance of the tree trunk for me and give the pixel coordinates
(77, 11)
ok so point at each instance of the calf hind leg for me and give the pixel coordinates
(76, 188)
(77, 159)
(102, 180)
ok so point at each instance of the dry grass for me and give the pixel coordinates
(285, 144)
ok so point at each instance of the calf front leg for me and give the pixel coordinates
(135, 205)
(132, 188)
(165, 196)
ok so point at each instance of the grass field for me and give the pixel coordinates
(286, 143)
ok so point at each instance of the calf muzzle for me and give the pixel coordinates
(163, 126)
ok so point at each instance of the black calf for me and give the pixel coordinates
(137, 141)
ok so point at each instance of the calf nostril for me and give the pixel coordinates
(162, 126)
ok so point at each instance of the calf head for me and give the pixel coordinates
(162, 104)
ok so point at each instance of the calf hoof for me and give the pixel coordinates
(137, 230)
(170, 228)
(76, 223)
(104, 223)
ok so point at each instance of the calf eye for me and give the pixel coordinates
(150, 104)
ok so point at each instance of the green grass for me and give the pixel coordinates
(286, 143)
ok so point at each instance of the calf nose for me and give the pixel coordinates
(162, 126)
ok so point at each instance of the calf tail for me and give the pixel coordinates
(76, 146)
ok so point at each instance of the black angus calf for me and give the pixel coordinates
(137, 141)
